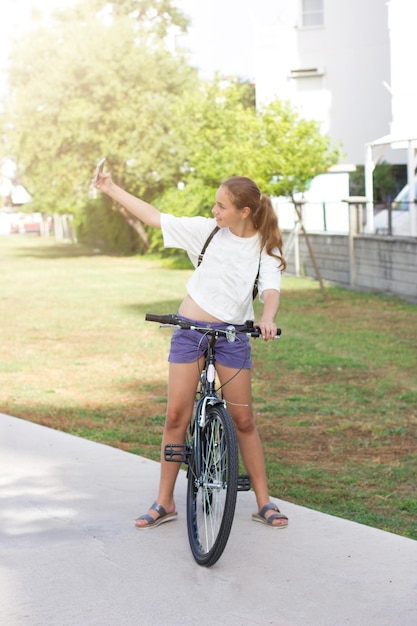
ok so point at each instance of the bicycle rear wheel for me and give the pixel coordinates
(211, 495)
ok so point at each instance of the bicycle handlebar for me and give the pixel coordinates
(173, 320)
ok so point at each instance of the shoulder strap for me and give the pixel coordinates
(209, 238)
(255, 284)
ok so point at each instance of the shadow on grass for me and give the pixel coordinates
(158, 307)
(57, 251)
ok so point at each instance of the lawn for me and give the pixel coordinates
(335, 397)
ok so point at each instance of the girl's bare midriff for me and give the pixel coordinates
(190, 309)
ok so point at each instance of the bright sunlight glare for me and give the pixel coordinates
(15, 19)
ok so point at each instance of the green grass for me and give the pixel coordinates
(335, 399)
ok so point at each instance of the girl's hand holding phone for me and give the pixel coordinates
(99, 169)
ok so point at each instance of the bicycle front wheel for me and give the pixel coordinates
(212, 487)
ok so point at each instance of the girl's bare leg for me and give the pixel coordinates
(182, 385)
(238, 396)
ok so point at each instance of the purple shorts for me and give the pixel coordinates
(189, 345)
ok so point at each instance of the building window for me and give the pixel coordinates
(312, 13)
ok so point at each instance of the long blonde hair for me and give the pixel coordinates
(245, 192)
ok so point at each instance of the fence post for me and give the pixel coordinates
(356, 204)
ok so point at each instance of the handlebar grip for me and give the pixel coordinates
(256, 332)
(161, 319)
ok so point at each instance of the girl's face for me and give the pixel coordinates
(225, 212)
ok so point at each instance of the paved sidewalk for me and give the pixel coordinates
(70, 555)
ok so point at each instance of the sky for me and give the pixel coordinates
(221, 36)
(222, 32)
(220, 39)
(15, 15)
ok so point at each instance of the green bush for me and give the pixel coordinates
(102, 227)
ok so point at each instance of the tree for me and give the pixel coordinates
(290, 150)
(225, 136)
(100, 82)
(277, 147)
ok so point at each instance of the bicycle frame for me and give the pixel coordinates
(208, 395)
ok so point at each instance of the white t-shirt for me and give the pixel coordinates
(222, 284)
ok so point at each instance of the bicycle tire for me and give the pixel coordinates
(211, 495)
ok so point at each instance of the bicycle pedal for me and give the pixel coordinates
(243, 483)
(177, 452)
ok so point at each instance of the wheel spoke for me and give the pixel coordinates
(211, 496)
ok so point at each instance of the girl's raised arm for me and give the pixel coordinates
(144, 211)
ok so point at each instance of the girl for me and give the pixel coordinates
(248, 244)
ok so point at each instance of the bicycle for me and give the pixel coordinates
(210, 451)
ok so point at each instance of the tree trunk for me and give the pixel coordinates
(136, 225)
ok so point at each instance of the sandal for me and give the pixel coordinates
(153, 523)
(260, 517)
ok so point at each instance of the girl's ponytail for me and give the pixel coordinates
(271, 236)
(246, 193)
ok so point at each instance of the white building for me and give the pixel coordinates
(345, 64)
(348, 65)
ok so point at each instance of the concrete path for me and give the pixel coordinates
(70, 555)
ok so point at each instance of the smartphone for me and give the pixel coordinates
(98, 171)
